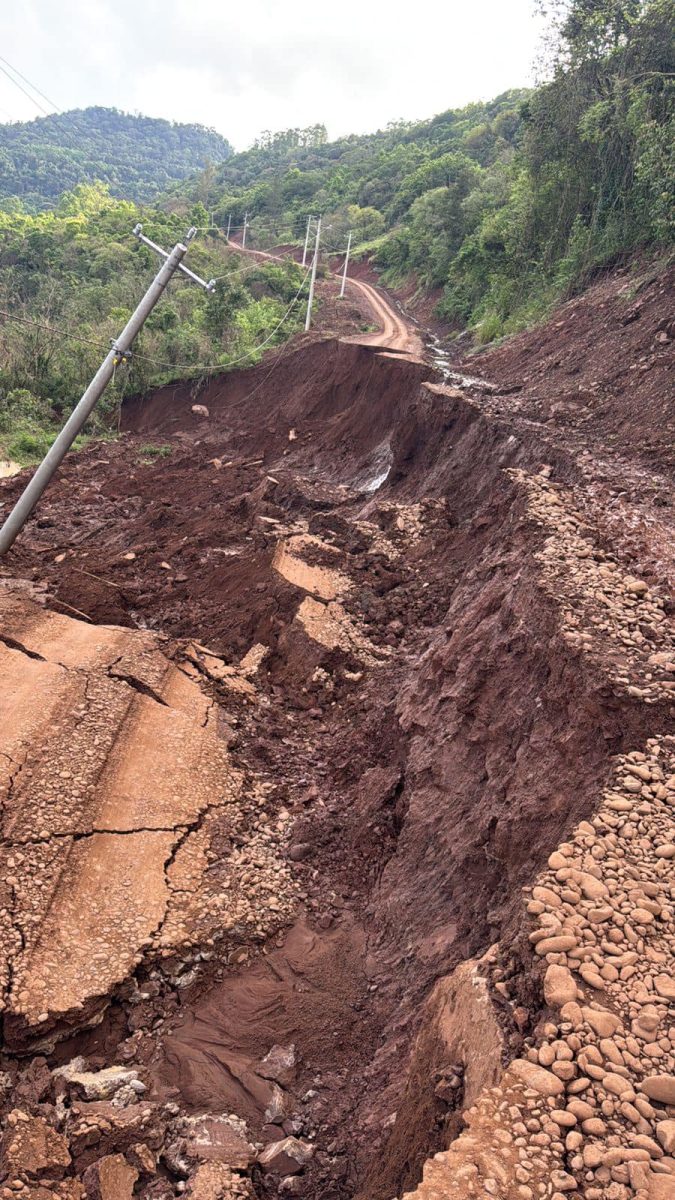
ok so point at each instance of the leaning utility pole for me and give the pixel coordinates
(120, 352)
(310, 298)
(243, 239)
(344, 273)
(304, 252)
(229, 222)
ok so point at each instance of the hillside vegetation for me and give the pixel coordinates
(504, 207)
(69, 280)
(138, 157)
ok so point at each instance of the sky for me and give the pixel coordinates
(267, 64)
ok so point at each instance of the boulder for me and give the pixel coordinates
(559, 986)
(32, 1148)
(285, 1157)
(208, 1138)
(536, 1077)
(97, 1085)
(110, 1178)
(660, 1088)
(278, 1064)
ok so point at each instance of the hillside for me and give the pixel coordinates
(500, 209)
(138, 157)
(69, 280)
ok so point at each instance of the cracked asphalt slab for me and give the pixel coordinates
(113, 780)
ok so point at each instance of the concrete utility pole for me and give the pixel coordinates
(310, 298)
(344, 273)
(243, 239)
(229, 222)
(304, 252)
(120, 351)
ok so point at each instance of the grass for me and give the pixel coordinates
(148, 453)
(28, 441)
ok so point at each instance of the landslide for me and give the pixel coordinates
(421, 712)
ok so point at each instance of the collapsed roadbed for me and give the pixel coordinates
(353, 792)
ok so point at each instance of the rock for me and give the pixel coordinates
(563, 1182)
(617, 1085)
(556, 944)
(279, 1064)
(665, 1132)
(110, 1178)
(665, 986)
(660, 1088)
(30, 1146)
(215, 1181)
(593, 889)
(200, 410)
(280, 1106)
(559, 986)
(209, 1138)
(601, 1021)
(96, 1085)
(99, 1127)
(285, 1157)
(299, 851)
(142, 1158)
(537, 1078)
(661, 1187)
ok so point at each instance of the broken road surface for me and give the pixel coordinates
(112, 776)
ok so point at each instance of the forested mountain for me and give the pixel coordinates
(503, 207)
(138, 157)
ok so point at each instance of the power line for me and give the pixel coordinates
(32, 99)
(31, 85)
(56, 332)
(233, 361)
(73, 337)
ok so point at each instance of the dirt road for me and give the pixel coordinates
(396, 333)
(113, 779)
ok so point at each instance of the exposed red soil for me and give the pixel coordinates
(425, 791)
(604, 364)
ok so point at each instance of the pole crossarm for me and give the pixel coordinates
(208, 287)
(119, 352)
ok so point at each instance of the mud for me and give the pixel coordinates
(425, 731)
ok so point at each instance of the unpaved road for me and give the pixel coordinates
(111, 773)
(396, 332)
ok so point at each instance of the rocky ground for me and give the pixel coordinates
(340, 770)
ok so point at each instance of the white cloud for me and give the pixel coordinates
(264, 64)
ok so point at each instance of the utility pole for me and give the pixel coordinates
(120, 351)
(344, 273)
(310, 299)
(243, 239)
(229, 222)
(304, 252)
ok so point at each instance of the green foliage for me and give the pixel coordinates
(506, 206)
(69, 280)
(136, 156)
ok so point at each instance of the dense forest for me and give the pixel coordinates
(138, 157)
(504, 207)
(69, 280)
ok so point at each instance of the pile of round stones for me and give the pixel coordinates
(606, 613)
(590, 1107)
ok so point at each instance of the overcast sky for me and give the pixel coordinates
(267, 64)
